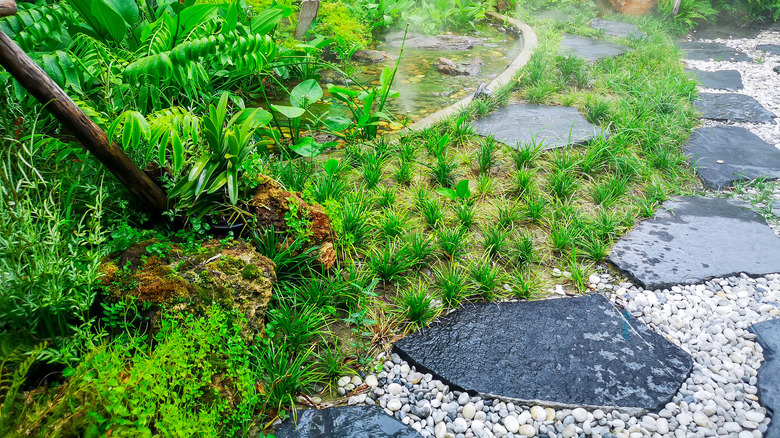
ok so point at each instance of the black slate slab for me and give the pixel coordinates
(768, 336)
(716, 51)
(730, 80)
(732, 107)
(518, 124)
(591, 49)
(560, 352)
(743, 156)
(774, 49)
(617, 28)
(692, 239)
(346, 422)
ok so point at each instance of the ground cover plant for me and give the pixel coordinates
(417, 224)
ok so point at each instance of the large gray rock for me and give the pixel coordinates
(456, 43)
(617, 28)
(346, 422)
(773, 49)
(518, 124)
(730, 80)
(692, 239)
(591, 49)
(768, 336)
(723, 155)
(716, 51)
(449, 67)
(732, 107)
(561, 352)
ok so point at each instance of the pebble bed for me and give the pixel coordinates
(708, 320)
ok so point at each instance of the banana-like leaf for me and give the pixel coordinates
(267, 20)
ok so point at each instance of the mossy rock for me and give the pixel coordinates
(230, 273)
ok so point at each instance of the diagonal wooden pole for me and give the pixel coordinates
(88, 133)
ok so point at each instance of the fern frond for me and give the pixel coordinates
(39, 27)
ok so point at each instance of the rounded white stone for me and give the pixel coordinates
(528, 430)
(538, 413)
(580, 415)
(394, 404)
(511, 423)
(394, 389)
(469, 411)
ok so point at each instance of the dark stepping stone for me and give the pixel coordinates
(743, 156)
(346, 422)
(691, 240)
(711, 32)
(617, 28)
(769, 48)
(730, 80)
(776, 69)
(520, 124)
(559, 352)
(768, 336)
(591, 49)
(732, 107)
(705, 51)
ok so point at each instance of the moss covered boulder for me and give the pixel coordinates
(158, 274)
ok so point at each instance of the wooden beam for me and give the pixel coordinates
(88, 133)
(7, 8)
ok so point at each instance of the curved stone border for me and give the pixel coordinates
(530, 42)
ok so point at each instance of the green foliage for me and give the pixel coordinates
(416, 304)
(485, 278)
(452, 284)
(452, 242)
(389, 261)
(690, 12)
(293, 260)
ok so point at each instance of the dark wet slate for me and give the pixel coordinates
(776, 69)
(561, 352)
(730, 80)
(346, 422)
(692, 239)
(705, 51)
(743, 154)
(768, 336)
(732, 107)
(591, 49)
(617, 28)
(769, 48)
(712, 31)
(519, 124)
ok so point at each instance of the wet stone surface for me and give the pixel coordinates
(519, 124)
(712, 31)
(716, 51)
(773, 49)
(617, 28)
(692, 239)
(732, 107)
(568, 351)
(768, 336)
(723, 155)
(591, 49)
(729, 80)
(346, 422)
(454, 43)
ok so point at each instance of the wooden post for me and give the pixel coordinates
(676, 7)
(7, 8)
(62, 107)
(308, 13)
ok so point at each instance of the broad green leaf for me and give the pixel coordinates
(305, 94)
(267, 20)
(307, 147)
(232, 185)
(231, 18)
(198, 167)
(204, 177)
(115, 25)
(254, 117)
(331, 166)
(51, 66)
(194, 16)
(462, 189)
(337, 123)
(218, 182)
(177, 153)
(448, 193)
(127, 9)
(290, 112)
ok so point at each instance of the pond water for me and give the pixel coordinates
(423, 89)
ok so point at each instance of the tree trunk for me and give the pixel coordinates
(7, 8)
(308, 13)
(62, 107)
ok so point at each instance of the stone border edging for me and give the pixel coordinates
(530, 42)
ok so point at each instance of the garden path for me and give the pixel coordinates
(706, 292)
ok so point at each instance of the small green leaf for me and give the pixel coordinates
(305, 94)
(289, 111)
(462, 189)
(331, 166)
(307, 147)
(447, 193)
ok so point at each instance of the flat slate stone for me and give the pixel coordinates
(769, 48)
(617, 28)
(691, 240)
(346, 422)
(560, 352)
(591, 49)
(768, 336)
(743, 156)
(705, 51)
(709, 32)
(732, 107)
(518, 124)
(730, 80)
